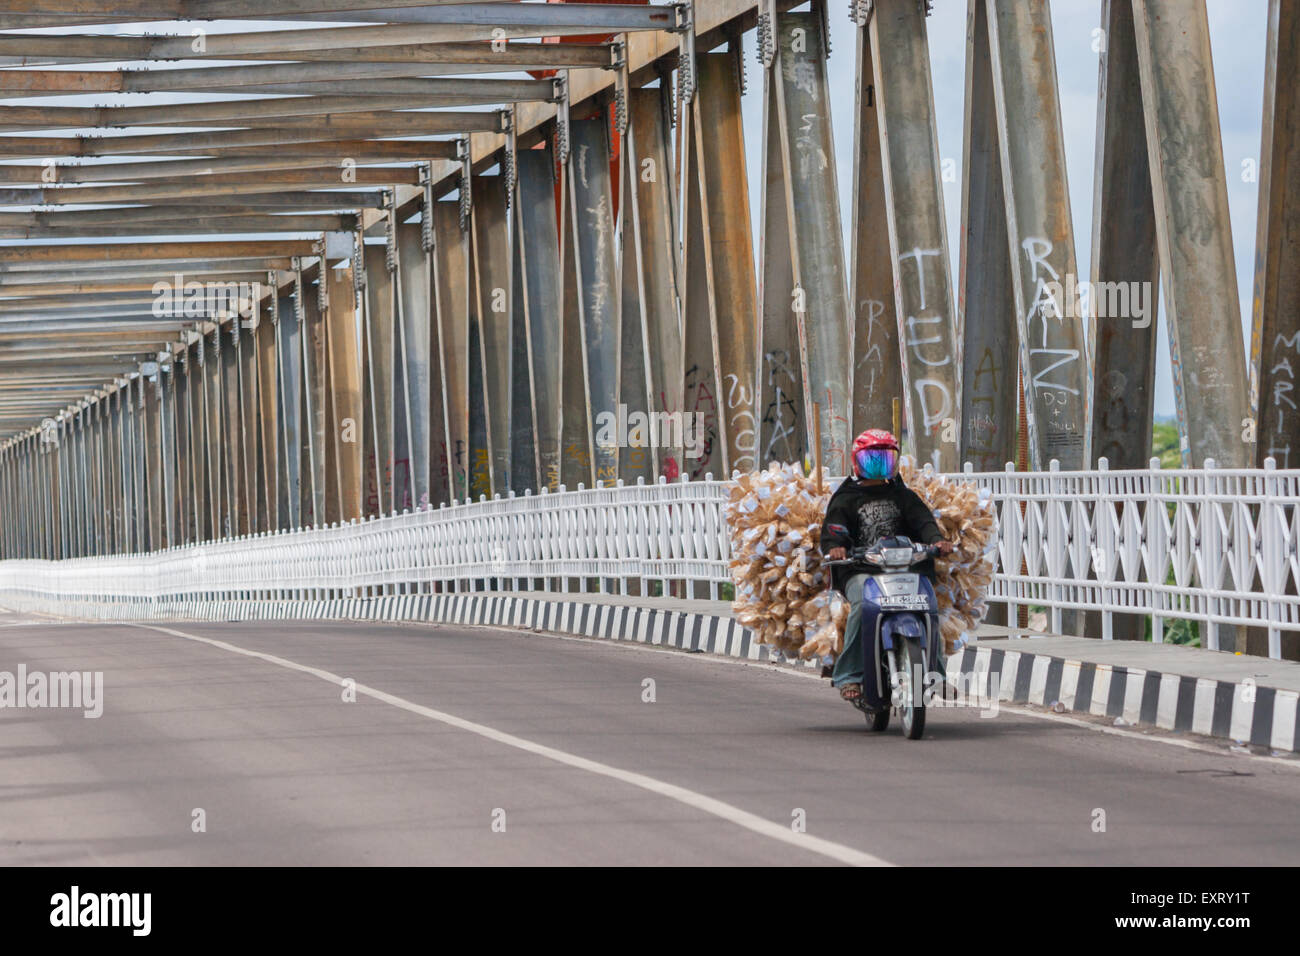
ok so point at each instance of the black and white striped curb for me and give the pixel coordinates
(1260, 716)
(683, 630)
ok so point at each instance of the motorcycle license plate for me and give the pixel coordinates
(905, 602)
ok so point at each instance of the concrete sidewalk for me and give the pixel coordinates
(1166, 658)
(1248, 700)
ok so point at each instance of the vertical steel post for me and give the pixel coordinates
(1125, 264)
(233, 434)
(249, 430)
(576, 453)
(315, 371)
(151, 387)
(292, 435)
(720, 306)
(493, 268)
(1040, 233)
(344, 343)
(218, 507)
(651, 303)
(451, 286)
(182, 377)
(591, 204)
(380, 332)
(268, 424)
(918, 238)
(987, 315)
(876, 352)
(539, 254)
(167, 428)
(1192, 224)
(415, 325)
(1275, 335)
(813, 308)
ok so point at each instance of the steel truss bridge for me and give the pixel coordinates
(444, 243)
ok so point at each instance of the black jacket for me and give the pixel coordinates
(860, 515)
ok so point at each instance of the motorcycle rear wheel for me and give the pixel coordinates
(877, 720)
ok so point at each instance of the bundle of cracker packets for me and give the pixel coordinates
(967, 517)
(782, 593)
(775, 518)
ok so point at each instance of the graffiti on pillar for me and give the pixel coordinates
(812, 158)
(669, 467)
(702, 403)
(781, 416)
(576, 452)
(740, 422)
(980, 423)
(1052, 368)
(459, 484)
(871, 364)
(444, 471)
(480, 475)
(926, 337)
(836, 426)
(551, 469)
(1279, 417)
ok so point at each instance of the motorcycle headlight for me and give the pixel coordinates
(897, 556)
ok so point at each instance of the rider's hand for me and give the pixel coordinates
(945, 547)
(837, 554)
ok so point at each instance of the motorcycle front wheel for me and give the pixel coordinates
(911, 706)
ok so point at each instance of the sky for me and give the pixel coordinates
(1238, 30)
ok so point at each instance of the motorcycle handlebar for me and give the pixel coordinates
(858, 556)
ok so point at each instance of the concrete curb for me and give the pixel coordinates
(1260, 716)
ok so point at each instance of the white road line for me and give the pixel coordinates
(718, 808)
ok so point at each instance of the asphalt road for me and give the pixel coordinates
(479, 746)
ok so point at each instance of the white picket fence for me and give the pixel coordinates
(1218, 547)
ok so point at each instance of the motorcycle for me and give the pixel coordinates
(899, 642)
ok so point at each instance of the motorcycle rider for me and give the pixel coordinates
(871, 504)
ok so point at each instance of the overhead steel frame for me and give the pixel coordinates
(451, 328)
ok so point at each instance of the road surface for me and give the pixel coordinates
(234, 744)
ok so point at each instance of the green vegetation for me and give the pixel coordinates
(1165, 445)
(1178, 631)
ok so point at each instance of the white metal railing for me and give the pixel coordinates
(1215, 546)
